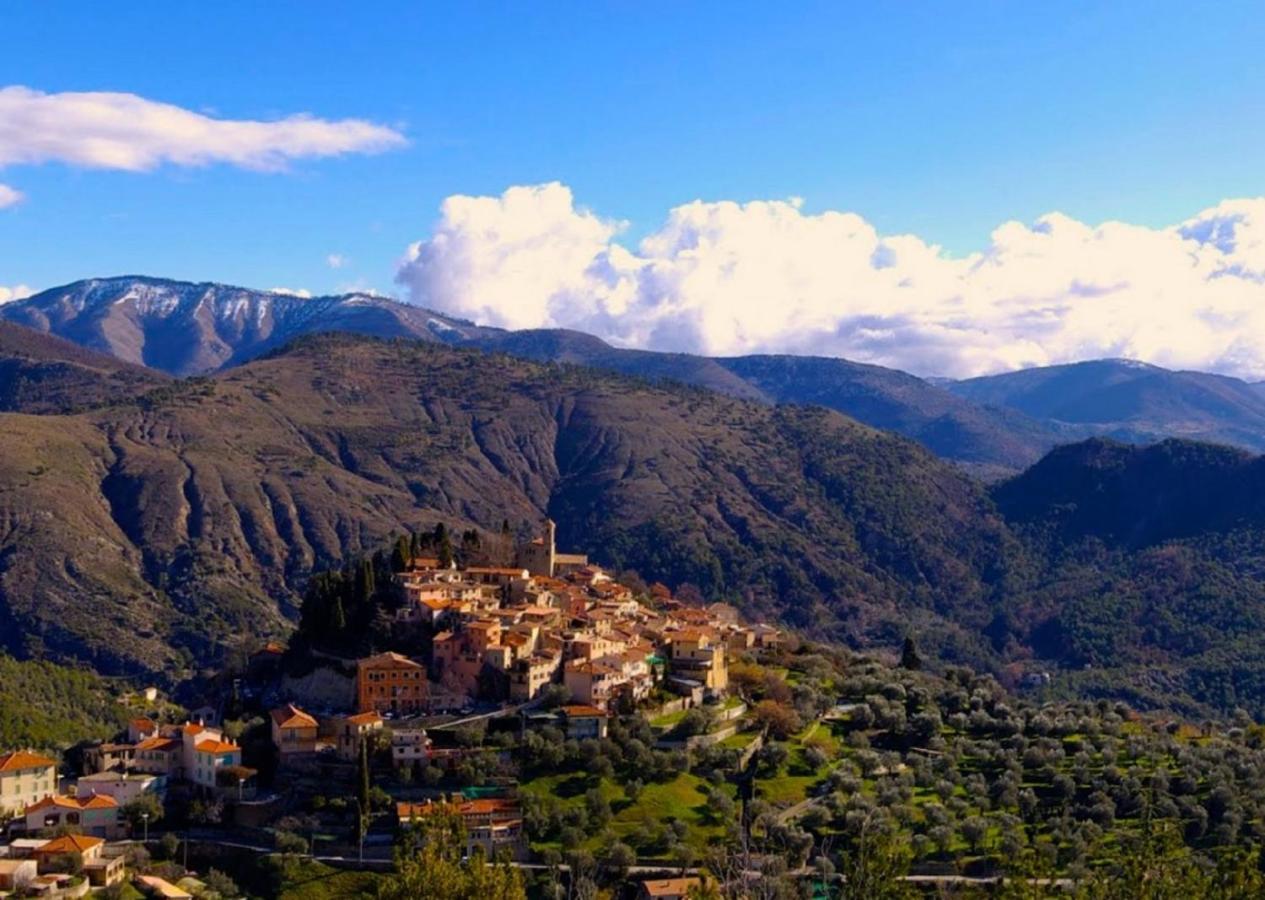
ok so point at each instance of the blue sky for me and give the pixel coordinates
(872, 181)
(939, 119)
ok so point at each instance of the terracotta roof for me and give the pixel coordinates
(580, 711)
(158, 743)
(669, 887)
(192, 728)
(216, 747)
(365, 718)
(388, 658)
(94, 801)
(22, 759)
(143, 724)
(290, 716)
(70, 843)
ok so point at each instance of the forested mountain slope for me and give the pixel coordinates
(151, 534)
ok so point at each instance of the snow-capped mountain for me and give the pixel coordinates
(187, 329)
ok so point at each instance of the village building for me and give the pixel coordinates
(351, 731)
(532, 674)
(409, 746)
(667, 888)
(391, 683)
(493, 825)
(78, 849)
(17, 874)
(108, 756)
(97, 815)
(159, 756)
(25, 778)
(581, 722)
(293, 731)
(696, 656)
(124, 787)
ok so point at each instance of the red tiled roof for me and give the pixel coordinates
(580, 711)
(70, 843)
(216, 747)
(94, 801)
(158, 743)
(290, 716)
(23, 759)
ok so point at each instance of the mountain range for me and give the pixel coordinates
(994, 425)
(169, 480)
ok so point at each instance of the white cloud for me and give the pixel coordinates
(291, 292)
(336, 261)
(105, 130)
(9, 196)
(16, 292)
(730, 278)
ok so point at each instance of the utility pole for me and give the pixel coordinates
(145, 820)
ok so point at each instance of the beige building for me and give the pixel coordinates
(349, 731)
(25, 778)
(293, 731)
(695, 655)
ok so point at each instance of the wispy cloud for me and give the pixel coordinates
(9, 196)
(766, 276)
(336, 260)
(291, 292)
(107, 130)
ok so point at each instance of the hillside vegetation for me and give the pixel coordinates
(157, 532)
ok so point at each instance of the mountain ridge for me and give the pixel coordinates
(160, 530)
(995, 426)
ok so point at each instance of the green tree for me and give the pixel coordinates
(909, 658)
(874, 866)
(402, 555)
(431, 865)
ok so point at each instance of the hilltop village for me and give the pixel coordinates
(473, 715)
(507, 642)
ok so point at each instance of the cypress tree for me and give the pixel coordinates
(909, 658)
(401, 556)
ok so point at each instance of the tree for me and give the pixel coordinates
(363, 790)
(169, 845)
(781, 721)
(431, 866)
(974, 830)
(145, 806)
(289, 842)
(401, 556)
(909, 658)
(220, 885)
(618, 859)
(874, 867)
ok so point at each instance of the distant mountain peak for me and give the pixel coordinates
(190, 328)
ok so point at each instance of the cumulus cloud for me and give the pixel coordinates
(291, 292)
(9, 196)
(16, 292)
(727, 278)
(106, 130)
